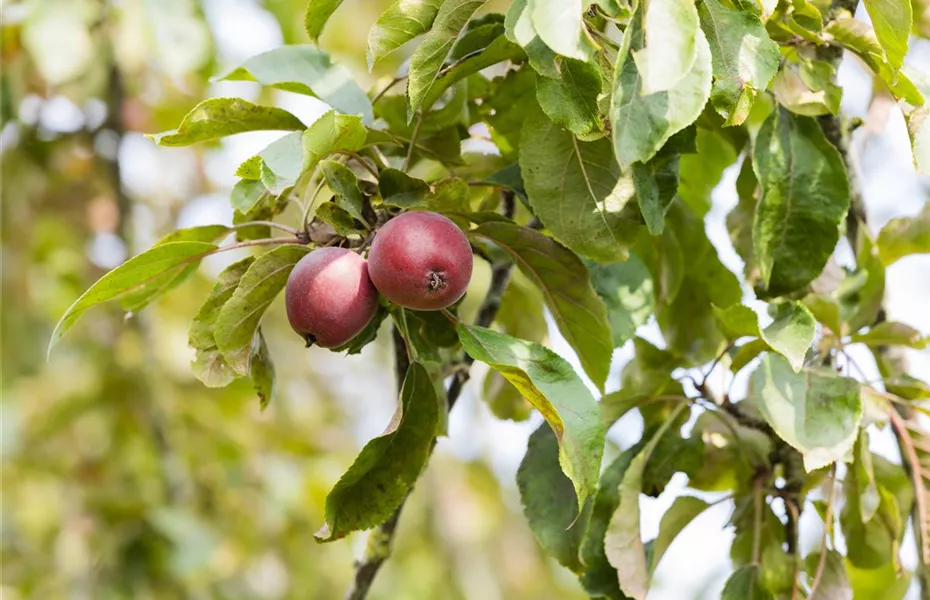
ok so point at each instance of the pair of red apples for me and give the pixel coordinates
(418, 260)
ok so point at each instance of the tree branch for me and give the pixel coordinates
(380, 540)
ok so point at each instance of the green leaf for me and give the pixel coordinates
(684, 510)
(571, 100)
(338, 218)
(600, 578)
(874, 543)
(563, 280)
(834, 584)
(220, 117)
(201, 233)
(310, 71)
(816, 411)
(627, 291)
(652, 199)
(738, 321)
(885, 582)
(559, 24)
(400, 189)
(209, 366)
(278, 166)
(805, 196)
(890, 333)
(892, 23)
(701, 172)
(904, 236)
(246, 194)
(479, 33)
(509, 178)
(552, 387)
(388, 466)
(623, 543)
(575, 189)
(864, 479)
(521, 315)
(506, 108)
(746, 584)
(261, 370)
(400, 23)
(344, 185)
(743, 56)
(808, 88)
(647, 375)
(918, 128)
(858, 36)
(671, 44)
(239, 318)
(686, 317)
(318, 12)
(330, 133)
(549, 500)
(643, 122)
(519, 29)
(861, 294)
(149, 273)
(499, 50)
(791, 333)
(428, 58)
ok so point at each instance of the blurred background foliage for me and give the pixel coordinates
(123, 476)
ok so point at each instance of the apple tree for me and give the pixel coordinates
(605, 125)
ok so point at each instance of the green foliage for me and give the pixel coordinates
(580, 146)
(387, 467)
(220, 117)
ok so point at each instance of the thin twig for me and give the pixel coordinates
(413, 140)
(381, 94)
(272, 224)
(920, 495)
(361, 161)
(827, 525)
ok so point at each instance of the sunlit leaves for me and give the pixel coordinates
(790, 334)
(400, 23)
(566, 289)
(387, 467)
(307, 70)
(903, 236)
(552, 387)
(317, 14)
(892, 23)
(744, 58)
(816, 410)
(238, 320)
(805, 195)
(330, 133)
(149, 273)
(575, 189)
(808, 88)
(671, 44)
(429, 56)
(918, 128)
(559, 24)
(859, 37)
(891, 333)
(221, 117)
(643, 122)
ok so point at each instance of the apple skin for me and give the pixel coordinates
(329, 297)
(421, 260)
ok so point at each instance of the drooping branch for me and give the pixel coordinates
(381, 539)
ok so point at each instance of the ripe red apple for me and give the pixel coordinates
(420, 260)
(329, 297)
